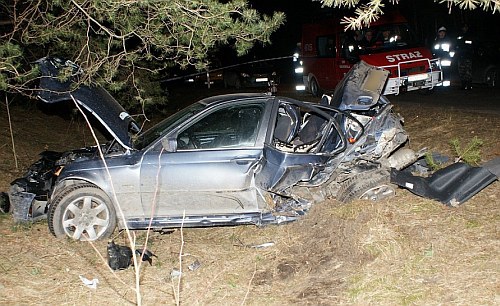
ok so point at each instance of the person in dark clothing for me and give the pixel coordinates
(465, 52)
(441, 49)
(386, 36)
(368, 39)
(442, 43)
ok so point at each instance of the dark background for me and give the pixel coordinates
(424, 16)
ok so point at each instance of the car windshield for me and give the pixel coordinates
(165, 126)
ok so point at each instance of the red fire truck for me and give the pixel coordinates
(328, 52)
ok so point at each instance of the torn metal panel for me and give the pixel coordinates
(452, 185)
(361, 88)
(283, 169)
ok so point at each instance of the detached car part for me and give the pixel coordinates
(452, 185)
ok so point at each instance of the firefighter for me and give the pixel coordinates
(385, 38)
(443, 50)
(442, 45)
(465, 52)
(368, 39)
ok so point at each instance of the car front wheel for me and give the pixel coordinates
(82, 212)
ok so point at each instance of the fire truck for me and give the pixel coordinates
(327, 52)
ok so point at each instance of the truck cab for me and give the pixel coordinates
(327, 52)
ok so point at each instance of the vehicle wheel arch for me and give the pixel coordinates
(313, 85)
(61, 185)
(491, 71)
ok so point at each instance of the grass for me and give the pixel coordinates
(405, 251)
(22, 227)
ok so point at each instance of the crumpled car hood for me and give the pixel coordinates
(360, 88)
(94, 99)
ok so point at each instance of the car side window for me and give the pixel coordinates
(233, 126)
(304, 131)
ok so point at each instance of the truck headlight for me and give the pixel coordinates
(445, 63)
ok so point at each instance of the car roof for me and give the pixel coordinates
(209, 101)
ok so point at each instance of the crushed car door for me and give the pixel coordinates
(211, 171)
(304, 138)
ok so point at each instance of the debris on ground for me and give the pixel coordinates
(119, 256)
(92, 284)
(146, 255)
(452, 185)
(195, 265)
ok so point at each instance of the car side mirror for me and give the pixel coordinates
(169, 144)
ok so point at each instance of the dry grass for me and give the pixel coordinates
(406, 250)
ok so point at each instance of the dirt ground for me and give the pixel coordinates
(406, 250)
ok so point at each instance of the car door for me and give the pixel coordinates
(304, 138)
(211, 171)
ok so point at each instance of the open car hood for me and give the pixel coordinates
(360, 88)
(94, 99)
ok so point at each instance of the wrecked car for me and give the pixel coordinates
(224, 160)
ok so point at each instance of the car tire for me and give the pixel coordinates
(82, 212)
(491, 77)
(315, 89)
(373, 185)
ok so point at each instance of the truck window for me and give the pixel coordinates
(350, 45)
(326, 46)
(375, 40)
